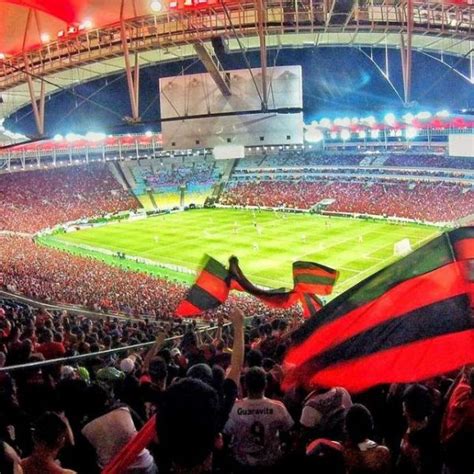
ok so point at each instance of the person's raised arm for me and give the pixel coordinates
(237, 360)
(160, 339)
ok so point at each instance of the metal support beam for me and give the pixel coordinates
(37, 104)
(406, 52)
(132, 75)
(261, 12)
(213, 67)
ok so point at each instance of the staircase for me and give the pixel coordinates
(152, 198)
(220, 186)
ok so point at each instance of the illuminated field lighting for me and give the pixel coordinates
(156, 6)
(333, 135)
(148, 133)
(345, 122)
(95, 136)
(390, 119)
(45, 37)
(2, 56)
(314, 135)
(58, 137)
(60, 33)
(408, 118)
(411, 132)
(325, 122)
(423, 115)
(362, 134)
(374, 134)
(85, 25)
(345, 134)
(443, 113)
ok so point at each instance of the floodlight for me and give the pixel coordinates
(156, 6)
(390, 119)
(345, 134)
(411, 132)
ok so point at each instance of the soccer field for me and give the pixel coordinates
(266, 242)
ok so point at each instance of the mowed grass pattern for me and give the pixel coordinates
(266, 242)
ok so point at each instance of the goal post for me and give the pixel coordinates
(402, 248)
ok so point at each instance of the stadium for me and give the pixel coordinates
(236, 236)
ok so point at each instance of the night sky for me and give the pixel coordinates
(337, 82)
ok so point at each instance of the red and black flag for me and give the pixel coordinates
(210, 290)
(215, 281)
(408, 322)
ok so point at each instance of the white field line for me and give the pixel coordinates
(381, 264)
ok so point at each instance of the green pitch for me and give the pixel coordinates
(266, 242)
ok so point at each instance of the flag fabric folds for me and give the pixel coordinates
(214, 283)
(408, 322)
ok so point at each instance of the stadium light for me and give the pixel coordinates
(156, 6)
(58, 137)
(86, 25)
(45, 37)
(410, 133)
(333, 135)
(362, 134)
(72, 137)
(370, 120)
(2, 56)
(390, 119)
(443, 113)
(345, 134)
(346, 122)
(374, 134)
(423, 115)
(95, 136)
(408, 118)
(148, 133)
(314, 135)
(325, 122)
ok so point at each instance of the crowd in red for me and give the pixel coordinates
(51, 275)
(35, 200)
(437, 202)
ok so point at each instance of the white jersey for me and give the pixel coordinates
(254, 426)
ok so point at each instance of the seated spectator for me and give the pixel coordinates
(362, 455)
(257, 426)
(49, 437)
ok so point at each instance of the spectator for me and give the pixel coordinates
(362, 454)
(49, 437)
(257, 426)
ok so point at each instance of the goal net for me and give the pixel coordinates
(402, 248)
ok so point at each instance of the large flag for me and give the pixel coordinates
(214, 283)
(408, 322)
(210, 290)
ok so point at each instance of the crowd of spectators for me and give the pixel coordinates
(432, 202)
(34, 200)
(302, 158)
(179, 176)
(216, 401)
(50, 275)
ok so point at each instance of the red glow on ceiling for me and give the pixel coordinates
(62, 9)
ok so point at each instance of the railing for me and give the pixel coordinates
(81, 357)
(182, 28)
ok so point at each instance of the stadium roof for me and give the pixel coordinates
(55, 15)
